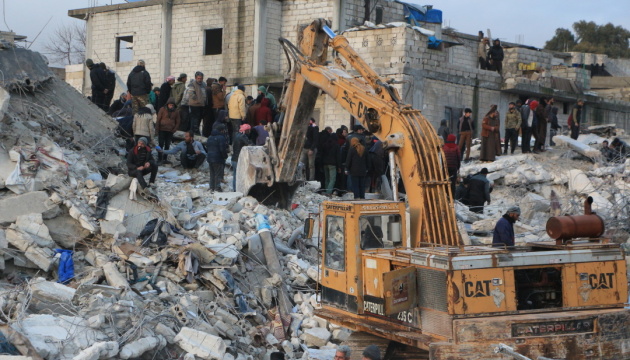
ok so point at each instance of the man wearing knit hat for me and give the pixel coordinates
(504, 229)
(372, 352)
(240, 139)
(140, 162)
(139, 85)
(98, 76)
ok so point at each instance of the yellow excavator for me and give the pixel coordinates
(425, 289)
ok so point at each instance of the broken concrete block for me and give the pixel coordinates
(23, 240)
(136, 348)
(65, 230)
(579, 182)
(201, 344)
(166, 332)
(316, 337)
(317, 354)
(112, 227)
(14, 206)
(51, 291)
(43, 257)
(341, 335)
(113, 276)
(99, 350)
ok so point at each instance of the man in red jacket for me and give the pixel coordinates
(453, 159)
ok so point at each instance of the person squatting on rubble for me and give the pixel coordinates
(195, 99)
(143, 124)
(166, 125)
(465, 130)
(192, 152)
(343, 353)
(575, 119)
(357, 167)
(217, 154)
(140, 162)
(608, 154)
(372, 352)
(237, 110)
(99, 80)
(478, 191)
(512, 125)
(490, 138)
(503, 234)
(240, 139)
(620, 150)
(453, 160)
(309, 150)
(139, 85)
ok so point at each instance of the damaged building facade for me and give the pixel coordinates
(217, 38)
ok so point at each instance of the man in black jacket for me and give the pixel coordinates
(478, 191)
(217, 154)
(495, 56)
(139, 85)
(99, 83)
(140, 162)
(310, 149)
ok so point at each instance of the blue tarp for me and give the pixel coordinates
(415, 14)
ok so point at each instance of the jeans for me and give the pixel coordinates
(164, 140)
(511, 136)
(234, 163)
(196, 112)
(184, 115)
(526, 139)
(309, 163)
(358, 186)
(191, 163)
(216, 175)
(330, 172)
(575, 132)
(140, 175)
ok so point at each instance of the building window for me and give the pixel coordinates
(379, 15)
(124, 48)
(214, 42)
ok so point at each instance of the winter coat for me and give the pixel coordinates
(261, 134)
(525, 111)
(489, 126)
(443, 130)
(183, 146)
(468, 120)
(236, 106)
(452, 155)
(177, 92)
(312, 137)
(218, 96)
(240, 140)
(330, 152)
(478, 189)
(168, 120)
(98, 78)
(195, 94)
(250, 118)
(357, 165)
(503, 232)
(264, 112)
(513, 119)
(136, 158)
(165, 94)
(143, 124)
(217, 148)
(495, 53)
(139, 81)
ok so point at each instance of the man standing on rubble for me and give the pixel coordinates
(527, 116)
(192, 152)
(140, 162)
(575, 119)
(195, 98)
(478, 191)
(466, 128)
(217, 154)
(237, 110)
(99, 83)
(503, 234)
(139, 85)
(512, 124)
(240, 139)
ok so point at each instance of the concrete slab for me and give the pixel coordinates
(134, 214)
(33, 202)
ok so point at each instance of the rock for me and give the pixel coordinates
(65, 230)
(579, 182)
(316, 337)
(51, 292)
(28, 203)
(137, 348)
(100, 350)
(201, 344)
(112, 227)
(532, 205)
(316, 354)
(113, 276)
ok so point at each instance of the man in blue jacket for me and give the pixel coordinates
(504, 229)
(217, 154)
(192, 152)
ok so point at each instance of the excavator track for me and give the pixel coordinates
(390, 350)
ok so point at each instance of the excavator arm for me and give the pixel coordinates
(376, 104)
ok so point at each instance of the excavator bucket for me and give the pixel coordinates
(257, 178)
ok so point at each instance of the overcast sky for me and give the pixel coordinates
(533, 21)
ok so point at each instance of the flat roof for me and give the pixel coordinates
(81, 13)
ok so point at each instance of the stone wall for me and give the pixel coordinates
(519, 61)
(354, 13)
(74, 76)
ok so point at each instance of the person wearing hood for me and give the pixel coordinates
(153, 96)
(140, 162)
(217, 154)
(490, 139)
(250, 118)
(264, 112)
(177, 92)
(165, 93)
(237, 110)
(167, 124)
(139, 86)
(503, 234)
(143, 124)
(453, 159)
(99, 83)
(357, 167)
(195, 98)
(272, 99)
(495, 56)
(443, 130)
(240, 140)
(192, 152)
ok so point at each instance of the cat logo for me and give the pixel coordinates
(477, 288)
(601, 281)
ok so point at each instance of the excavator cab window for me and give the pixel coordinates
(335, 257)
(380, 231)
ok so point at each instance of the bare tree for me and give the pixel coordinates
(67, 44)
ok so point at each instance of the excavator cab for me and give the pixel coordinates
(349, 229)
